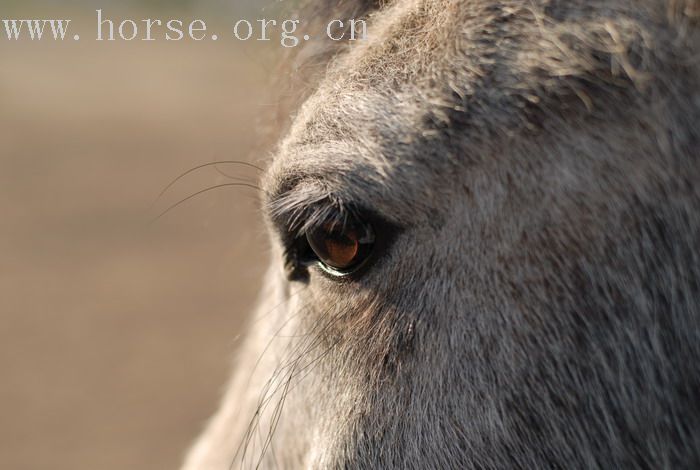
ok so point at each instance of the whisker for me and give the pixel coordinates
(231, 177)
(211, 188)
(276, 415)
(272, 310)
(281, 381)
(204, 165)
(265, 397)
(268, 392)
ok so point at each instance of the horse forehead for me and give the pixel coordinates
(429, 65)
(440, 83)
(382, 104)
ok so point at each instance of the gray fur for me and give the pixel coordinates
(539, 305)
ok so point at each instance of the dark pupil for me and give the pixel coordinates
(335, 247)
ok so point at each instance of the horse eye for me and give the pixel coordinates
(341, 248)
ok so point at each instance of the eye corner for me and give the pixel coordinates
(294, 268)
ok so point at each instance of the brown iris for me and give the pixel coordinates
(341, 247)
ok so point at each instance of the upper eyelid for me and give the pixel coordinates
(297, 196)
(299, 202)
(301, 219)
(304, 201)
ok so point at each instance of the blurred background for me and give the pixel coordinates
(116, 334)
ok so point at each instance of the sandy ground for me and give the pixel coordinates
(116, 336)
